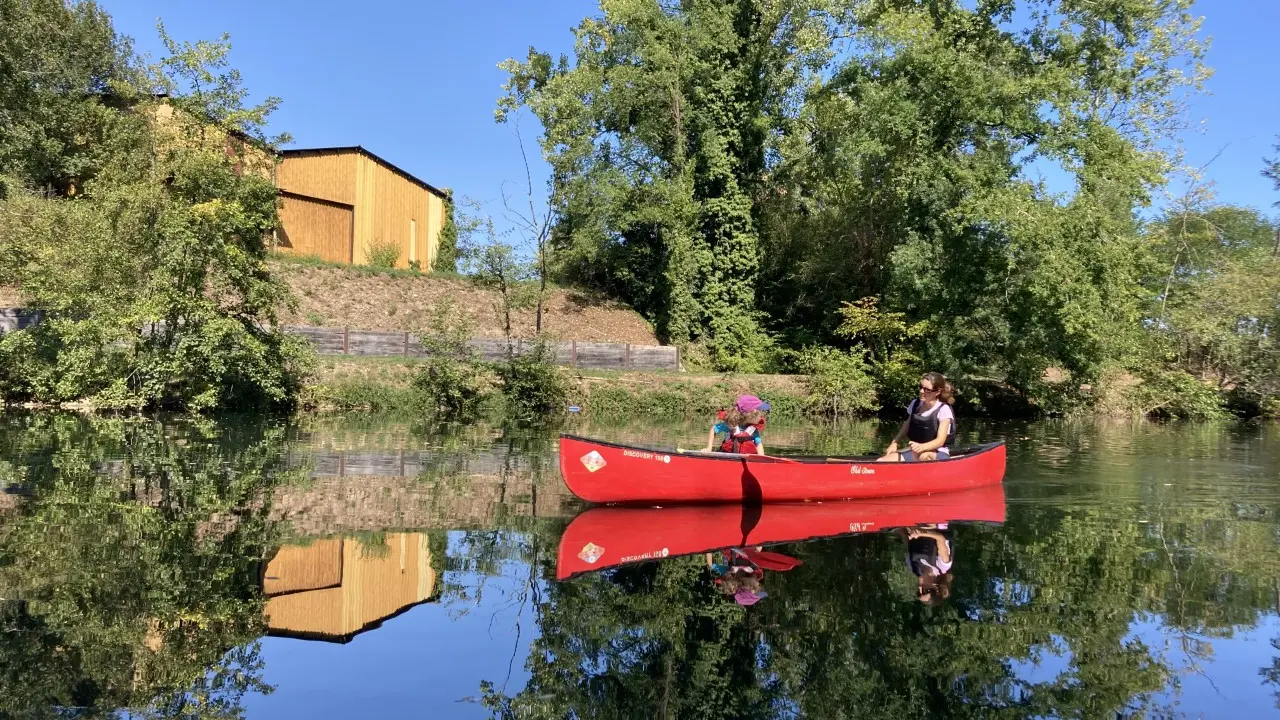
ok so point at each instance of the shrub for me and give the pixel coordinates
(838, 384)
(452, 383)
(534, 387)
(383, 255)
(1270, 408)
(1176, 394)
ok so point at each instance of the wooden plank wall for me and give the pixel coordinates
(327, 176)
(385, 203)
(435, 223)
(312, 227)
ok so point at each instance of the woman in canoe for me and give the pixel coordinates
(740, 429)
(931, 424)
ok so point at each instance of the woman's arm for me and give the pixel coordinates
(711, 439)
(760, 446)
(902, 432)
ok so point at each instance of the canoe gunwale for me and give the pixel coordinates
(962, 454)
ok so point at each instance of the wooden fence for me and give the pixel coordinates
(345, 341)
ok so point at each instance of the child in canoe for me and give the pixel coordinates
(740, 428)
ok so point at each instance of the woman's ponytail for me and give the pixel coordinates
(946, 391)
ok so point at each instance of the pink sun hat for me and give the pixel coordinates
(746, 597)
(747, 403)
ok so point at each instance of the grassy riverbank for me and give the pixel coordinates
(380, 384)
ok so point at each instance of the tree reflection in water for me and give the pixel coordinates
(845, 636)
(131, 571)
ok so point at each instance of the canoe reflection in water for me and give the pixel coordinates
(607, 537)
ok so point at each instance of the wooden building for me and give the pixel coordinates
(336, 588)
(342, 203)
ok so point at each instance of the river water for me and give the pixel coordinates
(367, 567)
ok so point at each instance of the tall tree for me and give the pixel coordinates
(659, 135)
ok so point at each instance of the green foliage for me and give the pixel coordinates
(360, 395)
(658, 135)
(128, 592)
(1178, 394)
(447, 248)
(452, 382)
(1213, 314)
(657, 395)
(383, 255)
(735, 165)
(149, 258)
(533, 385)
(838, 383)
(895, 369)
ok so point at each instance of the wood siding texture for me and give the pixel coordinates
(327, 176)
(376, 583)
(309, 227)
(387, 207)
(311, 567)
(429, 234)
(385, 203)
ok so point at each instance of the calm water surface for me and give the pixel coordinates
(247, 567)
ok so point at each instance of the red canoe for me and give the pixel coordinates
(602, 472)
(606, 537)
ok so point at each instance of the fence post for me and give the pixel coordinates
(573, 353)
(677, 357)
(345, 339)
(406, 344)
(626, 357)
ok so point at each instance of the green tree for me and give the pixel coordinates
(1214, 314)
(150, 265)
(658, 135)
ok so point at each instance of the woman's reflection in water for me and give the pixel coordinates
(929, 554)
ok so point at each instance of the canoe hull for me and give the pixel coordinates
(605, 537)
(601, 472)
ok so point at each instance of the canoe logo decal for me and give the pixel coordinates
(860, 470)
(591, 552)
(645, 455)
(593, 461)
(651, 555)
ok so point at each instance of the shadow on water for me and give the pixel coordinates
(200, 568)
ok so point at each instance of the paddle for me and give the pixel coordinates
(767, 458)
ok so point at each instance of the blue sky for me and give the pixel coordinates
(416, 82)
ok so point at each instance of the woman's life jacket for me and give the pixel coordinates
(923, 425)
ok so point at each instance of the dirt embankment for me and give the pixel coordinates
(365, 300)
(360, 299)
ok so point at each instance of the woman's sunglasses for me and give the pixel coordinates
(926, 388)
